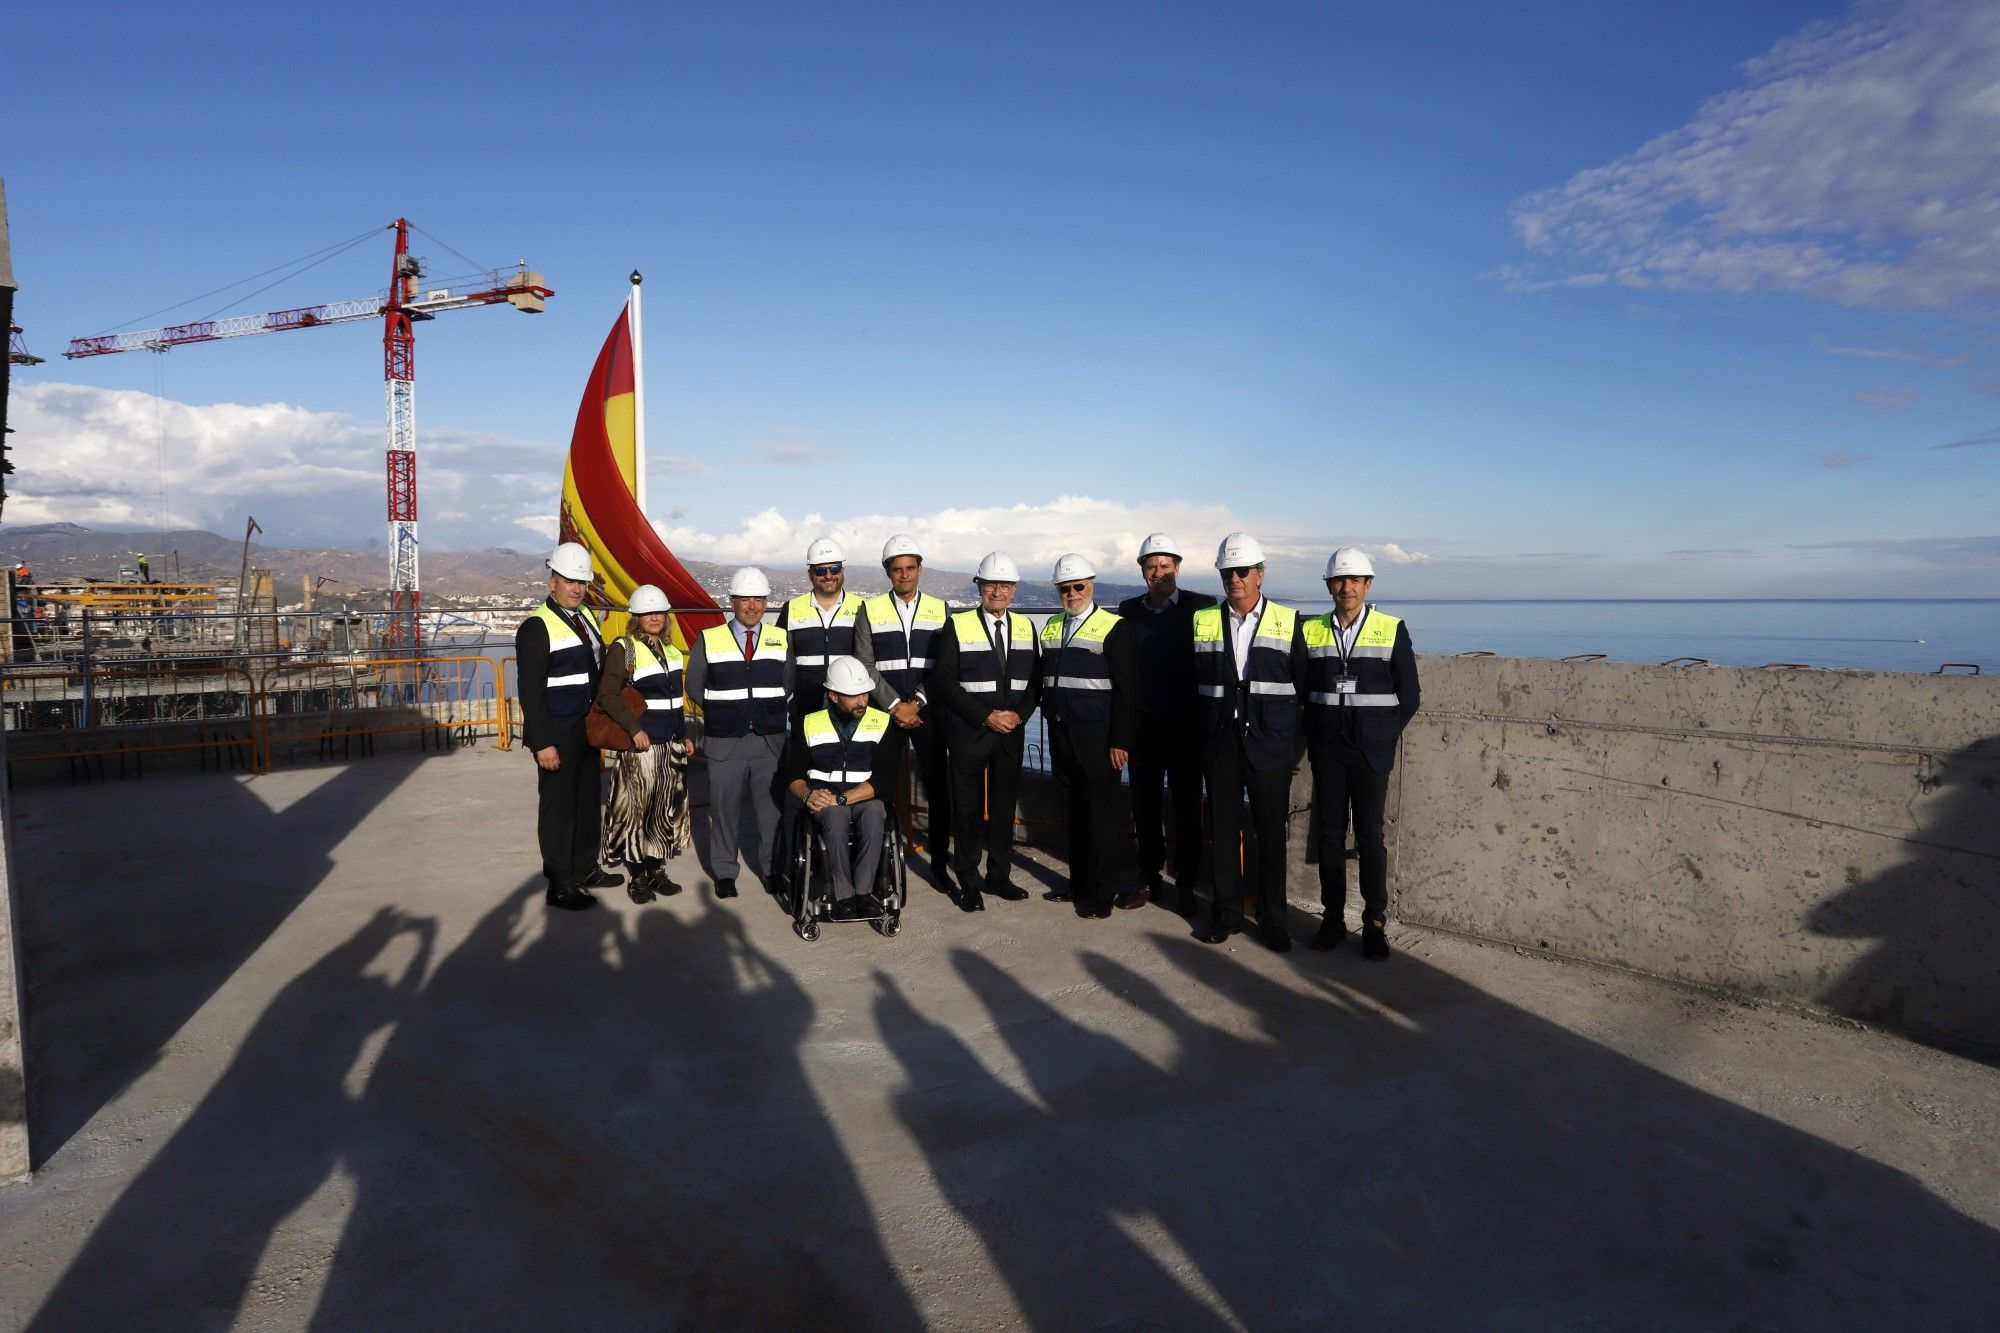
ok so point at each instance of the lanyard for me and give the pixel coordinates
(1340, 641)
(1251, 627)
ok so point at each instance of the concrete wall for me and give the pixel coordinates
(13, 1077)
(1829, 839)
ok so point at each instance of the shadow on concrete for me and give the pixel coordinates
(1415, 1154)
(1936, 916)
(131, 925)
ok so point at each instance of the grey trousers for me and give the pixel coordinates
(866, 821)
(741, 768)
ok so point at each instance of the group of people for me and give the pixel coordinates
(822, 707)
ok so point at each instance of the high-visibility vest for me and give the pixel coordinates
(1328, 712)
(1266, 699)
(814, 644)
(572, 669)
(980, 673)
(903, 659)
(841, 764)
(738, 697)
(1076, 676)
(659, 679)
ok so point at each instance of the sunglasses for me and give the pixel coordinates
(1238, 571)
(1081, 585)
(821, 571)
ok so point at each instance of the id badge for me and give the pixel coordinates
(1343, 684)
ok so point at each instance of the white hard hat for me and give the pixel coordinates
(749, 581)
(900, 544)
(571, 561)
(825, 551)
(1159, 543)
(646, 599)
(997, 567)
(1350, 561)
(1072, 566)
(1238, 550)
(845, 675)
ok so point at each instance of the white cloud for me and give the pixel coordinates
(119, 458)
(800, 455)
(1886, 399)
(1108, 532)
(1858, 164)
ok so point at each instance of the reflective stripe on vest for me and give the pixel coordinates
(658, 679)
(571, 665)
(1076, 687)
(841, 764)
(1267, 695)
(739, 697)
(1367, 662)
(902, 663)
(978, 672)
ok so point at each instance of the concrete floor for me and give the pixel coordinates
(306, 1050)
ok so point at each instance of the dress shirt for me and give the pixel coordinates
(1242, 629)
(1071, 624)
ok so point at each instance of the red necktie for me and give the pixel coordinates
(749, 643)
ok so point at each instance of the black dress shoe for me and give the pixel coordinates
(1012, 893)
(1059, 896)
(1277, 939)
(1332, 930)
(1099, 908)
(570, 900)
(601, 878)
(725, 888)
(845, 909)
(973, 901)
(663, 886)
(640, 890)
(1218, 932)
(1137, 898)
(1374, 942)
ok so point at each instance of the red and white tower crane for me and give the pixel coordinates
(400, 308)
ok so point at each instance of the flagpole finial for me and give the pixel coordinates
(636, 278)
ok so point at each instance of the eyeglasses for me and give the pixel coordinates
(1081, 585)
(1237, 572)
(822, 571)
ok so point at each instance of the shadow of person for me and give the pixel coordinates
(606, 1121)
(134, 934)
(1424, 1153)
(266, 1137)
(1030, 1180)
(1937, 917)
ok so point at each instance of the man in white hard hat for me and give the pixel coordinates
(894, 638)
(558, 653)
(1249, 666)
(1164, 752)
(986, 678)
(1361, 690)
(820, 623)
(841, 763)
(740, 673)
(1090, 701)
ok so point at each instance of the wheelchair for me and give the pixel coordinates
(810, 891)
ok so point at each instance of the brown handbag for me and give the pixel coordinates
(602, 730)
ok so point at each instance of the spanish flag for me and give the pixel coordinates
(602, 481)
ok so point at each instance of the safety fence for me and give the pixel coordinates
(242, 713)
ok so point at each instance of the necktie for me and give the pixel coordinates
(749, 643)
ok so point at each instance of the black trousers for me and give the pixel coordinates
(1230, 778)
(985, 788)
(931, 762)
(1343, 782)
(569, 809)
(1164, 755)
(1093, 809)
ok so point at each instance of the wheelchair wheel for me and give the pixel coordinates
(808, 929)
(805, 909)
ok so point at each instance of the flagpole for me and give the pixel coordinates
(638, 401)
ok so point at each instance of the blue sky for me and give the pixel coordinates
(1549, 299)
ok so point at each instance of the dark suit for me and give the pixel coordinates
(569, 801)
(1352, 752)
(1164, 749)
(985, 766)
(1240, 758)
(1079, 755)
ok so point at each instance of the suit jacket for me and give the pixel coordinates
(944, 690)
(1166, 652)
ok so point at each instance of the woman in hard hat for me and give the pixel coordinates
(647, 819)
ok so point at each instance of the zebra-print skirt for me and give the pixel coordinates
(647, 820)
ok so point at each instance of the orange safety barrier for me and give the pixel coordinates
(509, 715)
(431, 694)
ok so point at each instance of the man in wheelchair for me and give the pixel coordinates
(843, 765)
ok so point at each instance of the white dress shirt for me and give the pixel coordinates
(1242, 629)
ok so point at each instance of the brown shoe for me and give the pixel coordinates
(1137, 898)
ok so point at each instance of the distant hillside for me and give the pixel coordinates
(65, 552)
